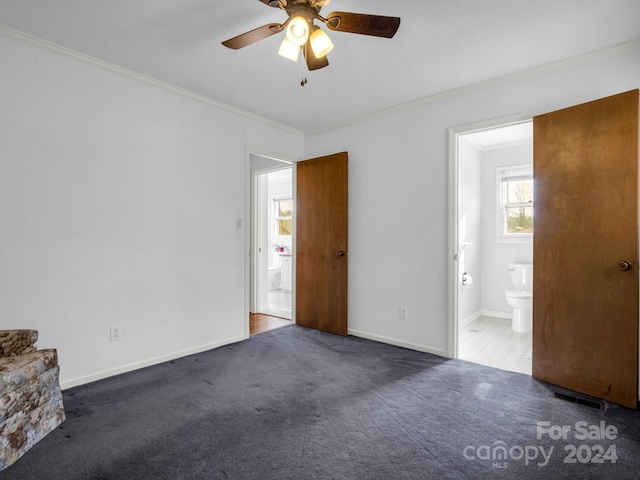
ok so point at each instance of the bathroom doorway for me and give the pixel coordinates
(271, 240)
(492, 238)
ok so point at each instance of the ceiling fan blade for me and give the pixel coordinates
(313, 63)
(376, 25)
(253, 36)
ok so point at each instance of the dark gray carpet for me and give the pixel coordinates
(297, 404)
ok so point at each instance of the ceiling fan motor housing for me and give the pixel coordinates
(302, 8)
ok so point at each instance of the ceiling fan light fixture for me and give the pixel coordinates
(289, 50)
(321, 44)
(301, 33)
(298, 31)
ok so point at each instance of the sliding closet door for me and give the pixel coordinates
(321, 243)
(585, 286)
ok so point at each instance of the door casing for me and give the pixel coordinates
(251, 225)
(454, 239)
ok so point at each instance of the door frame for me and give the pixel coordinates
(453, 247)
(250, 239)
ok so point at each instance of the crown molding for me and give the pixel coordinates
(430, 99)
(487, 84)
(112, 68)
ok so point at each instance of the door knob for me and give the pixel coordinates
(340, 253)
(624, 266)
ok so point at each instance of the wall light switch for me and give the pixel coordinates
(404, 313)
(238, 223)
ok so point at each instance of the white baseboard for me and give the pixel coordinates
(492, 313)
(399, 343)
(146, 363)
(484, 313)
(474, 316)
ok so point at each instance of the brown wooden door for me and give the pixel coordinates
(585, 308)
(321, 243)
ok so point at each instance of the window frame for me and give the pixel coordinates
(277, 218)
(508, 171)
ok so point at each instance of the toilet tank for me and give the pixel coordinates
(521, 275)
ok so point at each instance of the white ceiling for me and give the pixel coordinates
(441, 45)
(501, 137)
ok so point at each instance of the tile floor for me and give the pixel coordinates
(491, 341)
(279, 304)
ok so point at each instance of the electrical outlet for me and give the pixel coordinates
(115, 333)
(404, 313)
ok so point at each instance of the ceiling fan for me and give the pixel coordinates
(302, 34)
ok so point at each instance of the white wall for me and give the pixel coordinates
(118, 206)
(471, 224)
(119, 200)
(261, 251)
(398, 199)
(497, 256)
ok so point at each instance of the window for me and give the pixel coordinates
(283, 214)
(515, 202)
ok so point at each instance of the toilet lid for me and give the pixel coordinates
(520, 294)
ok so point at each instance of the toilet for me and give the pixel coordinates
(521, 299)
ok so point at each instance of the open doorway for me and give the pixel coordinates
(271, 271)
(492, 235)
